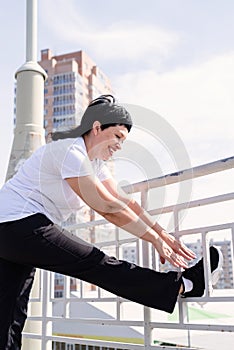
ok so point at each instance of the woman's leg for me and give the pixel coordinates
(141, 285)
(13, 308)
(42, 244)
(20, 312)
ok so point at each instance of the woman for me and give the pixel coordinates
(57, 180)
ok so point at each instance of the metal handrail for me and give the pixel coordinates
(146, 322)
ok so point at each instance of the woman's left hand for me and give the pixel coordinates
(177, 246)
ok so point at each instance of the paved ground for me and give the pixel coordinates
(210, 341)
(207, 314)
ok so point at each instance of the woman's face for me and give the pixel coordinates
(108, 141)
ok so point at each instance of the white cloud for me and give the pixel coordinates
(122, 40)
(198, 101)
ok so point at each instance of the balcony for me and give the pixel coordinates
(96, 320)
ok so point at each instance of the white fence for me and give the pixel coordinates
(125, 325)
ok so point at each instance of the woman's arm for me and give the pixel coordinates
(98, 197)
(175, 244)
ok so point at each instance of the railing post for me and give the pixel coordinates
(145, 261)
(35, 309)
(182, 306)
(207, 271)
(46, 312)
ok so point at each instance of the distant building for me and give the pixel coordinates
(226, 280)
(73, 81)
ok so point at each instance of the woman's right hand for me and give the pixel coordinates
(168, 254)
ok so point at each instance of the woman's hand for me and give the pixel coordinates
(177, 246)
(168, 253)
(169, 248)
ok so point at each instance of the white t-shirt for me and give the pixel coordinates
(39, 186)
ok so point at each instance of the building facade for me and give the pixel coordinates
(73, 81)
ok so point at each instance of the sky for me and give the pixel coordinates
(172, 57)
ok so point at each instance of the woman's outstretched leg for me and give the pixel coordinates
(142, 285)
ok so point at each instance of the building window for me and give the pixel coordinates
(64, 78)
(58, 294)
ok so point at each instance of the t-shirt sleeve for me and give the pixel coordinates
(75, 164)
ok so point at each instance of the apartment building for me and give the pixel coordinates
(73, 81)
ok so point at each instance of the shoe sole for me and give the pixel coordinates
(215, 275)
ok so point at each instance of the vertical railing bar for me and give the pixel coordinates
(205, 259)
(118, 302)
(154, 258)
(46, 329)
(183, 318)
(207, 270)
(52, 277)
(40, 285)
(117, 245)
(145, 254)
(182, 307)
(81, 289)
(138, 252)
(64, 295)
(44, 308)
(67, 296)
(99, 292)
(232, 254)
(118, 309)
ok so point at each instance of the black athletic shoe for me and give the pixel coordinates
(196, 273)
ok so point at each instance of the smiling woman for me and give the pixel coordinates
(103, 142)
(109, 123)
(56, 181)
(103, 109)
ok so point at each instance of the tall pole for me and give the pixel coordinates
(29, 131)
(29, 134)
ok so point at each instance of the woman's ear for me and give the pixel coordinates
(96, 127)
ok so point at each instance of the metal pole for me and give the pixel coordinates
(31, 30)
(29, 131)
(29, 135)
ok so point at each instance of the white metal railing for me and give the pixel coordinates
(151, 321)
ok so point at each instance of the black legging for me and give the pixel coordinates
(36, 242)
